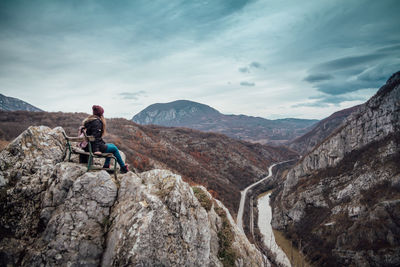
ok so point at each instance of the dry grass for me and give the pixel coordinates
(3, 144)
(202, 198)
(226, 253)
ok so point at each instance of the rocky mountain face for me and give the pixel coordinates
(11, 103)
(54, 213)
(183, 113)
(320, 131)
(341, 202)
(177, 113)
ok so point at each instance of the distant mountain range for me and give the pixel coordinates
(184, 113)
(12, 104)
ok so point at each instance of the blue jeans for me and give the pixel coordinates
(111, 148)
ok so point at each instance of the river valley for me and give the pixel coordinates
(285, 254)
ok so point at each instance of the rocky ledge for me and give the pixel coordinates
(56, 213)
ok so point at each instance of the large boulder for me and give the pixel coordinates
(36, 150)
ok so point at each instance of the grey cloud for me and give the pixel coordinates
(244, 70)
(311, 104)
(133, 95)
(138, 17)
(77, 37)
(333, 26)
(390, 49)
(338, 87)
(333, 99)
(255, 64)
(373, 77)
(379, 73)
(326, 100)
(247, 84)
(352, 73)
(348, 62)
(318, 77)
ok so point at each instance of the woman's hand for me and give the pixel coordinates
(97, 153)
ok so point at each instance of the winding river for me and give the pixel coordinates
(243, 193)
(264, 224)
(264, 218)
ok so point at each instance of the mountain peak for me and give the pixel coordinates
(12, 104)
(176, 113)
(391, 83)
(180, 104)
(189, 114)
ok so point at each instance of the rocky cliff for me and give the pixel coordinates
(320, 131)
(184, 113)
(341, 202)
(54, 213)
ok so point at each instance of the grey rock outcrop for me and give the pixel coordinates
(56, 213)
(342, 199)
(158, 221)
(34, 151)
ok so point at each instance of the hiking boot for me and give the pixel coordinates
(107, 167)
(124, 169)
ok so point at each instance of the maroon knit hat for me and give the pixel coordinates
(97, 110)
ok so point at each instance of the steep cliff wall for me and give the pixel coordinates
(342, 200)
(54, 213)
(320, 131)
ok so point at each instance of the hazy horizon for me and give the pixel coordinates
(258, 58)
(89, 112)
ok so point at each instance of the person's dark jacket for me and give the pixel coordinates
(94, 127)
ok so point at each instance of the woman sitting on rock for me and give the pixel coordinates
(95, 125)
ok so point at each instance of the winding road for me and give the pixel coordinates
(239, 219)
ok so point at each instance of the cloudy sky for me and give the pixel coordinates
(267, 58)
